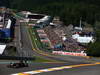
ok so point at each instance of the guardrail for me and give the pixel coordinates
(15, 58)
(69, 53)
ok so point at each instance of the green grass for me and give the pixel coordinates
(40, 59)
(11, 50)
(34, 37)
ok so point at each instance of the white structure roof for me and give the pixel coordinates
(53, 24)
(8, 24)
(75, 36)
(43, 19)
(78, 28)
(2, 48)
(83, 39)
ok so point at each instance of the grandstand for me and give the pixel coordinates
(61, 42)
(31, 16)
(8, 30)
(44, 21)
(43, 37)
(34, 16)
(37, 20)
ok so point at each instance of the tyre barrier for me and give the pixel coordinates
(69, 53)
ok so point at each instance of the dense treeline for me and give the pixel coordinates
(69, 11)
(94, 48)
(5, 3)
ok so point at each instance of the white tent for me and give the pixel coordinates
(75, 36)
(83, 39)
(2, 48)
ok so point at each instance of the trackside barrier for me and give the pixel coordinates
(15, 58)
(68, 53)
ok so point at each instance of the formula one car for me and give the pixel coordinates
(18, 65)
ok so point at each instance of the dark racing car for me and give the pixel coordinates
(18, 65)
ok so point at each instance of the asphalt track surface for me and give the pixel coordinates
(78, 70)
(87, 70)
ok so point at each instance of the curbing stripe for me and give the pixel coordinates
(39, 71)
(44, 70)
(24, 74)
(97, 63)
(54, 69)
(31, 72)
(81, 65)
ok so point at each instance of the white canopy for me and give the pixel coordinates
(84, 39)
(75, 36)
(45, 18)
(2, 48)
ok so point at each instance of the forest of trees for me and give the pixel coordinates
(70, 12)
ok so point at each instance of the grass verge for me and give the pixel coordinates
(40, 59)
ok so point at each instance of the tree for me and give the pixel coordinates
(69, 11)
(5, 3)
(94, 49)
